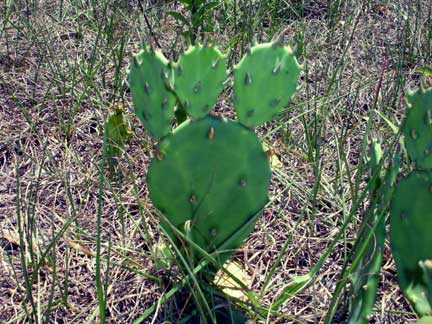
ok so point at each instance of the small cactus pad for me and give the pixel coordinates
(117, 133)
(411, 237)
(209, 178)
(149, 79)
(264, 82)
(199, 79)
(418, 128)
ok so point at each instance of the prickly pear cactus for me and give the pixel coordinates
(411, 213)
(210, 176)
(411, 239)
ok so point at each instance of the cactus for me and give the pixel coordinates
(418, 127)
(264, 82)
(210, 176)
(411, 239)
(199, 79)
(411, 215)
(150, 78)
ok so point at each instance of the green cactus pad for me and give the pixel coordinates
(425, 320)
(264, 82)
(418, 128)
(117, 133)
(199, 79)
(149, 79)
(411, 237)
(209, 178)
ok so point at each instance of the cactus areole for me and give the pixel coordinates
(210, 176)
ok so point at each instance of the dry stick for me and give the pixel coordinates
(148, 24)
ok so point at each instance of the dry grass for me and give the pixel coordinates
(53, 101)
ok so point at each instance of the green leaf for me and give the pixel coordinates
(118, 133)
(293, 286)
(426, 70)
(179, 17)
(186, 3)
(192, 3)
(197, 18)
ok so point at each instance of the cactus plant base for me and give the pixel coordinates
(209, 178)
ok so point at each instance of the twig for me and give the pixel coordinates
(148, 24)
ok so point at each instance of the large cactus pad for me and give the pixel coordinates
(264, 82)
(411, 238)
(418, 128)
(149, 76)
(209, 178)
(199, 79)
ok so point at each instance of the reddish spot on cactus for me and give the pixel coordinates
(211, 133)
(159, 155)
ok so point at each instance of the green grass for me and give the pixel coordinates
(79, 247)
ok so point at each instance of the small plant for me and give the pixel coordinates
(117, 132)
(199, 20)
(411, 213)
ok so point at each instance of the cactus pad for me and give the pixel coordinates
(425, 320)
(418, 128)
(264, 82)
(411, 239)
(149, 76)
(199, 79)
(209, 178)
